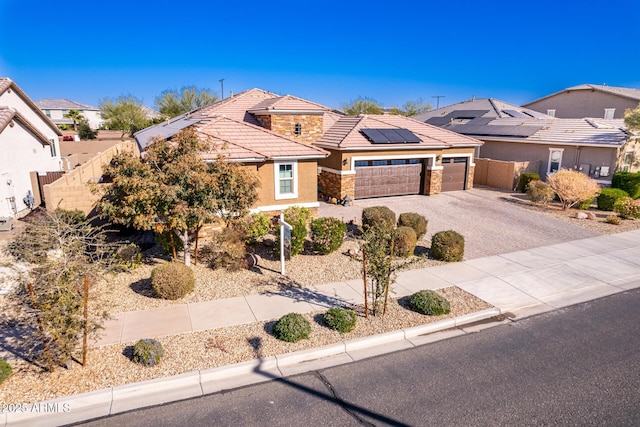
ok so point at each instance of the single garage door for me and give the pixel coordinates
(395, 178)
(454, 173)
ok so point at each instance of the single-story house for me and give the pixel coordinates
(596, 147)
(268, 134)
(577, 102)
(390, 155)
(56, 109)
(29, 141)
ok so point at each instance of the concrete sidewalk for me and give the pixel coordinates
(521, 283)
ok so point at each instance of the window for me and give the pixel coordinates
(53, 147)
(555, 159)
(64, 112)
(629, 160)
(286, 180)
(297, 129)
(608, 113)
(551, 113)
(47, 113)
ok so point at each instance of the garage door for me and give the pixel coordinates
(454, 173)
(375, 180)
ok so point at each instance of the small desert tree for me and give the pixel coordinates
(362, 106)
(572, 187)
(172, 103)
(632, 118)
(67, 255)
(126, 114)
(172, 188)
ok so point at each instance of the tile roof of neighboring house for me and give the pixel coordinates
(7, 84)
(62, 104)
(630, 93)
(507, 122)
(7, 115)
(345, 133)
(246, 141)
(288, 103)
(151, 113)
(236, 106)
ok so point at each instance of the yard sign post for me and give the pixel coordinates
(285, 242)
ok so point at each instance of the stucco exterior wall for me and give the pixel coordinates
(10, 98)
(307, 182)
(583, 103)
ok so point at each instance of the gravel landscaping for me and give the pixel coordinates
(476, 214)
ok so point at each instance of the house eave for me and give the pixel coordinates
(568, 143)
(283, 112)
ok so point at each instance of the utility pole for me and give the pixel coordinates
(438, 100)
(221, 88)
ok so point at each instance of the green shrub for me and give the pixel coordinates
(85, 131)
(430, 303)
(340, 319)
(164, 240)
(327, 234)
(254, 226)
(172, 280)
(292, 327)
(298, 218)
(613, 219)
(5, 370)
(415, 221)
(226, 249)
(627, 207)
(608, 197)
(378, 217)
(447, 246)
(627, 181)
(540, 192)
(404, 241)
(148, 352)
(585, 204)
(75, 216)
(525, 179)
(128, 257)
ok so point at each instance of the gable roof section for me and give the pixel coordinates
(288, 104)
(7, 115)
(246, 142)
(8, 84)
(237, 106)
(62, 104)
(629, 93)
(346, 134)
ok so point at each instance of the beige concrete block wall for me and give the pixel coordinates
(501, 174)
(74, 189)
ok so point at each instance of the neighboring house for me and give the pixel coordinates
(596, 147)
(30, 146)
(268, 134)
(56, 109)
(577, 102)
(389, 155)
(151, 113)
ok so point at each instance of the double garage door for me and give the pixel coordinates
(380, 178)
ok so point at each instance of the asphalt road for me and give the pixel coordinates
(575, 366)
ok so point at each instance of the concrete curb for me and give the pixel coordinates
(114, 400)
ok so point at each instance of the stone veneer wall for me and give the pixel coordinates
(337, 186)
(284, 124)
(433, 181)
(470, 174)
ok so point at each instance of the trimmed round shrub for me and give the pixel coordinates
(415, 221)
(172, 280)
(540, 192)
(147, 352)
(254, 226)
(404, 241)
(292, 327)
(585, 204)
(327, 234)
(525, 179)
(5, 370)
(447, 246)
(378, 217)
(613, 220)
(340, 319)
(430, 303)
(627, 181)
(608, 197)
(298, 218)
(128, 257)
(627, 207)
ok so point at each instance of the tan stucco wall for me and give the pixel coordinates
(307, 184)
(583, 103)
(501, 174)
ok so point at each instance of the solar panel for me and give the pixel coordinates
(390, 136)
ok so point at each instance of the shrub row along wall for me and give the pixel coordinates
(501, 174)
(72, 190)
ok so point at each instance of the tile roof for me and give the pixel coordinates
(236, 106)
(244, 140)
(8, 84)
(62, 104)
(8, 114)
(477, 118)
(289, 103)
(345, 133)
(625, 92)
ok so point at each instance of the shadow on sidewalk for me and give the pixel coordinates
(291, 289)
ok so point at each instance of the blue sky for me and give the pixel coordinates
(329, 52)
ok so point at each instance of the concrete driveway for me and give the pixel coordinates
(490, 224)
